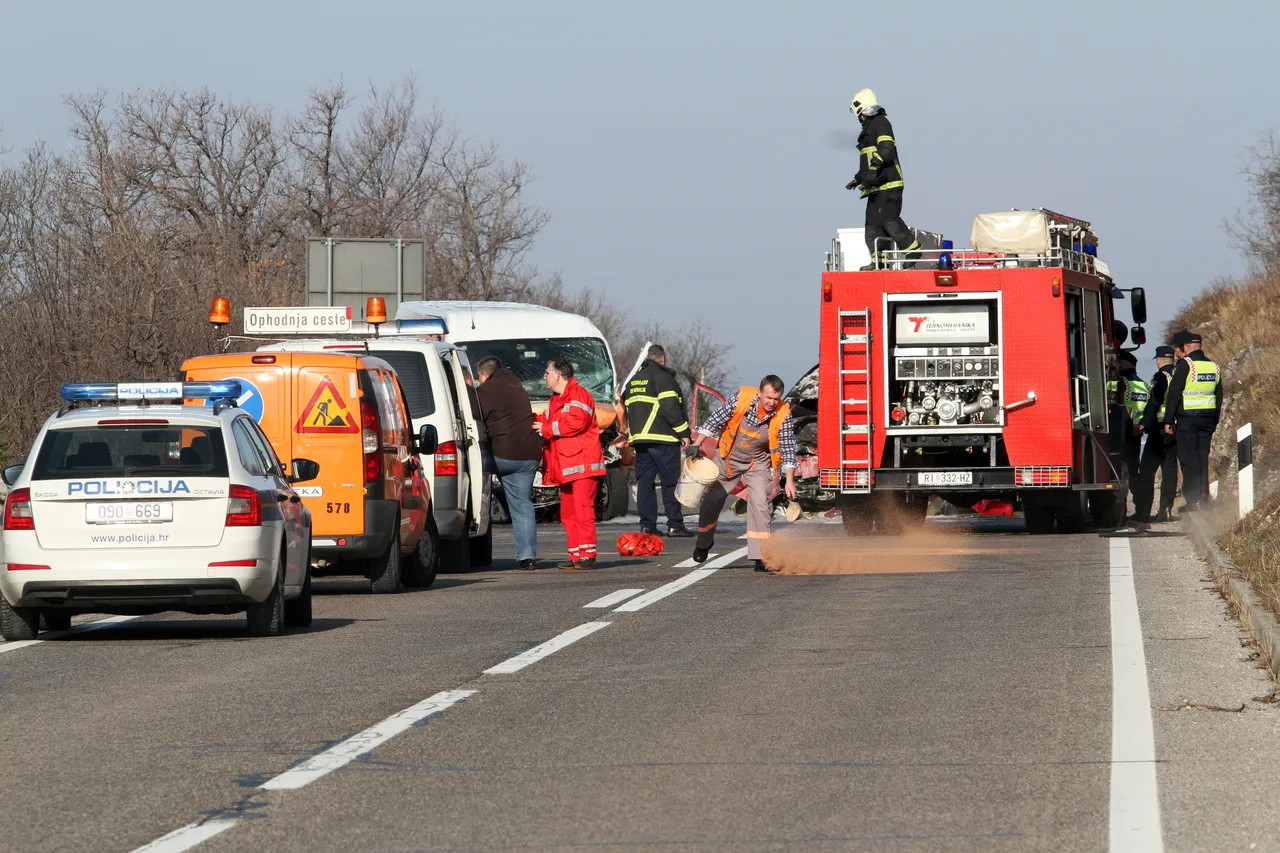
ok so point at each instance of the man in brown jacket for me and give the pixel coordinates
(517, 450)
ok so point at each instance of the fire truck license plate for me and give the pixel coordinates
(946, 478)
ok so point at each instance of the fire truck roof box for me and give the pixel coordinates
(1028, 232)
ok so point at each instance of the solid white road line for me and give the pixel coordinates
(77, 629)
(693, 577)
(689, 563)
(1135, 804)
(614, 598)
(551, 646)
(357, 745)
(187, 837)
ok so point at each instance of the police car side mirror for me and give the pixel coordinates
(11, 474)
(1139, 306)
(304, 470)
(427, 440)
(1139, 336)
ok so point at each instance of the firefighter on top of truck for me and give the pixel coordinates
(880, 176)
(1160, 451)
(757, 437)
(1191, 414)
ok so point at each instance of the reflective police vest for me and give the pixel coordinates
(1202, 383)
(1135, 396)
(1168, 375)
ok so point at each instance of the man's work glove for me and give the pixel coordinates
(851, 184)
(867, 179)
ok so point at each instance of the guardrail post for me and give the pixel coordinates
(1244, 467)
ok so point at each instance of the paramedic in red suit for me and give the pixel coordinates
(573, 460)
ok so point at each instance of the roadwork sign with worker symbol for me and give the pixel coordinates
(327, 412)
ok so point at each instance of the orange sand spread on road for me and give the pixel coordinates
(809, 551)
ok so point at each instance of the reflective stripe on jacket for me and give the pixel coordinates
(746, 397)
(572, 448)
(878, 156)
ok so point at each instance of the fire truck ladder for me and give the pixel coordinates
(855, 402)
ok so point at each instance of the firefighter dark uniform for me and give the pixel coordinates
(1191, 408)
(880, 177)
(656, 424)
(1160, 452)
(1130, 390)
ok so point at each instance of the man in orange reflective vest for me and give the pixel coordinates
(573, 460)
(750, 439)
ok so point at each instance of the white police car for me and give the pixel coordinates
(133, 503)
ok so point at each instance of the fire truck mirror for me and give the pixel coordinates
(1139, 336)
(1139, 306)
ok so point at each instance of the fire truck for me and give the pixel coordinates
(975, 374)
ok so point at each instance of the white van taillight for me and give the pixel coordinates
(372, 442)
(17, 511)
(447, 459)
(245, 508)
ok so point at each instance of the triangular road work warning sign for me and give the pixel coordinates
(327, 413)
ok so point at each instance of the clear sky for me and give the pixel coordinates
(694, 155)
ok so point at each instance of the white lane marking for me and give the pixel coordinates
(551, 646)
(614, 598)
(743, 536)
(689, 563)
(14, 645)
(1135, 804)
(187, 837)
(680, 583)
(357, 745)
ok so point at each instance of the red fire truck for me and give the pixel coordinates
(974, 374)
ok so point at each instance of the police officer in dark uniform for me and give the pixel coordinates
(1132, 392)
(1160, 451)
(1191, 414)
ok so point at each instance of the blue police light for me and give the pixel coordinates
(106, 392)
(1090, 249)
(948, 244)
(944, 261)
(424, 326)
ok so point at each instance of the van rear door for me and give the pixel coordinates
(266, 389)
(469, 404)
(326, 428)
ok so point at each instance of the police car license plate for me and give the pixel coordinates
(946, 478)
(131, 512)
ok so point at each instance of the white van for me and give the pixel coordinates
(524, 338)
(439, 387)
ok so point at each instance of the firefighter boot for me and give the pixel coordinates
(761, 567)
(700, 554)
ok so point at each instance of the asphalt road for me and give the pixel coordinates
(958, 693)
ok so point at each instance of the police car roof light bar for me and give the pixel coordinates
(150, 392)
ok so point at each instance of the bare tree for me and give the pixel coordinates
(1256, 233)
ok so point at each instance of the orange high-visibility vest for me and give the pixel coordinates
(746, 396)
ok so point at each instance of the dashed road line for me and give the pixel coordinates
(614, 598)
(357, 745)
(14, 645)
(1135, 802)
(680, 583)
(187, 837)
(550, 647)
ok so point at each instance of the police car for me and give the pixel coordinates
(132, 502)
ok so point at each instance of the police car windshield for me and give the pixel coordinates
(131, 451)
(527, 359)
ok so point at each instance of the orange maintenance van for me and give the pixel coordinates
(371, 504)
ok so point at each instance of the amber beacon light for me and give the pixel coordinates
(220, 311)
(375, 311)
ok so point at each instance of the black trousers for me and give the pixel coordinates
(663, 462)
(884, 219)
(1159, 454)
(1194, 434)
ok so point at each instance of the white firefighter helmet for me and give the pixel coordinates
(863, 101)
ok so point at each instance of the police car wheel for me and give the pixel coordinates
(385, 577)
(18, 623)
(297, 613)
(267, 618)
(56, 620)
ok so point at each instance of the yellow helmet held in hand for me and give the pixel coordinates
(863, 101)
